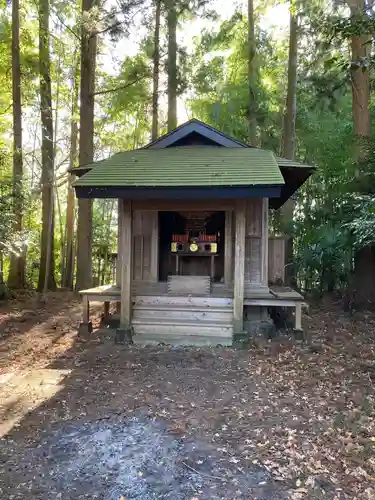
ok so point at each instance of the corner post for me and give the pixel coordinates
(239, 267)
(85, 327)
(298, 317)
(119, 252)
(264, 245)
(228, 250)
(125, 330)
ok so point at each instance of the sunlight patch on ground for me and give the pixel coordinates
(22, 391)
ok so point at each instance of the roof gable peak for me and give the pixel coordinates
(195, 126)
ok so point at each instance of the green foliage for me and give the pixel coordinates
(331, 219)
(11, 242)
(221, 86)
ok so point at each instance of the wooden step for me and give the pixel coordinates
(181, 328)
(182, 340)
(182, 301)
(181, 313)
(185, 285)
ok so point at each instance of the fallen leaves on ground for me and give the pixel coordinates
(302, 410)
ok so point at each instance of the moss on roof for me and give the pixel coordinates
(185, 167)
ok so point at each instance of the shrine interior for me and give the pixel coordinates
(191, 244)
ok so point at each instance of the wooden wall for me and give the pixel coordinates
(276, 259)
(145, 245)
(253, 241)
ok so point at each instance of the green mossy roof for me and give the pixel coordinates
(284, 162)
(185, 167)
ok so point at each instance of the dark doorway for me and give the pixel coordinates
(181, 223)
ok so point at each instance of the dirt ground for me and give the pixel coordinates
(91, 419)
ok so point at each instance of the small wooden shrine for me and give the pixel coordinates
(196, 264)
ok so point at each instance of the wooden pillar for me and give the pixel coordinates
(119, 230)
(85, 310)
(298, 317)
(155, 247)
(118, 260)
(264, 244)
(126, 265)
(106, 311)
(85, 327)
(228, 250)
(239, 266)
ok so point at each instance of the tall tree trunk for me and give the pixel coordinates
(155, 77)
(172, 64)
(288, 145)
(46, 270)
(360, 86)
(252, 75)
(55, 184)
(16, 277)
(69, 228)
(86, 147)
(288, 142)
(364, 260)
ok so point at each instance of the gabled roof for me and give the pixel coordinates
(194, 155)
(186, 167)
(195, 126)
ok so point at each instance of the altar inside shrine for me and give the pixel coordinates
(192, 244)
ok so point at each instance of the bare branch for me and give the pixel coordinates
(67, 27)
(121, 87)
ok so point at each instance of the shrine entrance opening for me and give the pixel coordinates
(191, 244)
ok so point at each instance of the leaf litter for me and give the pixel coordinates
(282, 420)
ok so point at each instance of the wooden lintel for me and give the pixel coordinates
(183, 205)
(126, 264)
(239, 267)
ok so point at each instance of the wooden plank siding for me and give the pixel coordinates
(145, 245)
(276, 259)
(253, 241)
(258, 251)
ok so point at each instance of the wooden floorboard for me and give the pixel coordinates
(218, 290)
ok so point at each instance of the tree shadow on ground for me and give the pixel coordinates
(221, 423)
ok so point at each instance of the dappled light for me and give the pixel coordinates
(21, 344)
(22, 391)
